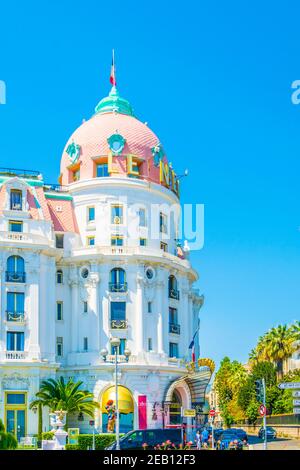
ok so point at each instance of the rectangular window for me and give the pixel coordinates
(117, 240)
(59, 240)
(15, 226)
(150, 344)
(76, 175)
(15, 341)
(173, 316)
(90, 241)
(116, 214)
(102, 170)
(59, 276)
(163, 223)
(15, 302)
(149, 307)
(163, 246)
(143, 241)
(118, 310)
(15, 399)
(85, 307)
(173, 350)
(59, 311)
(91, 214)
(85, 344)
(59, 346)
(142, 218)
(15, 200)
(122, 347)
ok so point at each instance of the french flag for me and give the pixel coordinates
(192, 345)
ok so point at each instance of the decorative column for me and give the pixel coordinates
(160, 294)
(74, 284)
(32, 310)
(139, 314)
(94, 306)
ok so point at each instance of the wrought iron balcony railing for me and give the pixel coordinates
(173, 294)
(174, 328)
(118, 286)
(15, 276)
(118, 324)
(16, 206)
(18, 317)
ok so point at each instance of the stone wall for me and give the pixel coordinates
(283, 430)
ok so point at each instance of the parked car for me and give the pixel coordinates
(271, 433)
(240, 433)
(134, 440)
(229, 440)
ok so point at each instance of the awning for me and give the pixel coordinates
(125, 400)
(196, 381)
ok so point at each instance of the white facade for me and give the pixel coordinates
(68, 340)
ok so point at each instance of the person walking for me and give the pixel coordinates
(204, 436)
(198, 440)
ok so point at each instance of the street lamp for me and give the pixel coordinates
(115, 344)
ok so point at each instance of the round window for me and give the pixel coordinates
(84, 273)
(150, 273)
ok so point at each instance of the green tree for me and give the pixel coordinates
(229, 378)
(277, 345)
(58, 395)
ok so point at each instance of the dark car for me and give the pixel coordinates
(241, 434)
(134, 440)
(217, 433)
(229, 439)
(271, 433)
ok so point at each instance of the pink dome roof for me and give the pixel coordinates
(92, 137)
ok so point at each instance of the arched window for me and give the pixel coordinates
(173, 288)
(117, 282)
(15, 269)
(59, 276)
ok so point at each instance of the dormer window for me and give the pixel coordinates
(15, 200)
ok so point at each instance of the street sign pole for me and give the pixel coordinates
(212, 433)
(265, 414)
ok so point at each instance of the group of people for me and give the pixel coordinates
(202, 438)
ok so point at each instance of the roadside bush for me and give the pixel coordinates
(47, 436)
(85, 441)
(7, 440)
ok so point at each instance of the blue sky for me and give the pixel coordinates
(213, 80)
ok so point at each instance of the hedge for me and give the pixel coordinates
(47, 436)
(85, 441)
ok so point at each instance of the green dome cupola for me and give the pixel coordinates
(114, 103)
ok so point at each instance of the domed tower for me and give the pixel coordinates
(128, 276)
(96, 261)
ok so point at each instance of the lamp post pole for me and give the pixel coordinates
(117, 400)
(115, 343)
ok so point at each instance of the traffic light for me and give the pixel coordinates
(259, 390)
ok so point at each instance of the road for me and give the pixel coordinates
(278, 444)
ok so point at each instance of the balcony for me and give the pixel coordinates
(174, 294)
(15, 355)
(31, 174)
(118, 286)
(16, 206)
(25, 238)
(118, 324)
(15, 276)
(174, 328)
(17, 317)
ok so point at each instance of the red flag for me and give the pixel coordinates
(112, 77)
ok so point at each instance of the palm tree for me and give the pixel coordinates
(279, 345)
(253, 357)
(296, 330)
(58, 395)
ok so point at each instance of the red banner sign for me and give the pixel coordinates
(142, 410)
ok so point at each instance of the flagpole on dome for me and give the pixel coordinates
(112, 77)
